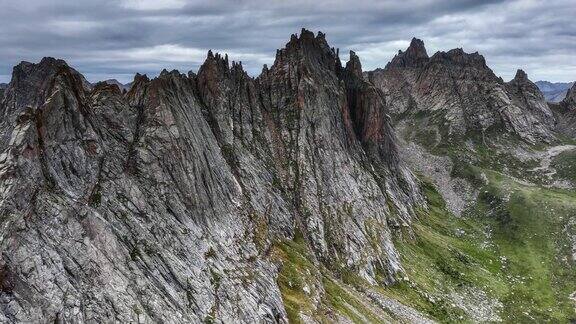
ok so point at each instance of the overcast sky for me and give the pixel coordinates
(116, 38)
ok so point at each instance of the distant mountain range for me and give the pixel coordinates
(554, 92)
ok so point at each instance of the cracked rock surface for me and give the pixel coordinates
(160, 204)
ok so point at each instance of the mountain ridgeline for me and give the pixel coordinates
(290, 197)
(464, 90)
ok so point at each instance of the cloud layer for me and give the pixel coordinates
(116, 38)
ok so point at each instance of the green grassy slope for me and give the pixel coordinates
(511, 245)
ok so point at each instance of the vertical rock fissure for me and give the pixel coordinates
(42, 150)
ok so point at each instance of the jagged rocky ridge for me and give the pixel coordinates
(176, 200)
(163, 203)
(464, 92)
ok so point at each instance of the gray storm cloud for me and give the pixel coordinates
(117, 38)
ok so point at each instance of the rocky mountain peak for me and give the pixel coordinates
(215, 75)
(32, 82)
(525, 87)
(140, 78)
(415, 56)
(215, 62)
(462, 85)
(521, 75)
(353, 65)
(138, 88)
(524, 93)
(459, 57)
(521, 80)
(308, 49)
(216, 67)
(166, 74)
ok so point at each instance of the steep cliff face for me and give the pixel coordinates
(570, 101)
(460, 89)
(166, 203)
(565, 112)
(117, 211)
(3, 87)
(295, 122)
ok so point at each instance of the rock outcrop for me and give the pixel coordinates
(414, 57)
(460, 88)
(163, 204)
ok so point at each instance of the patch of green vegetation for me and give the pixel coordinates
(436, 261)
(530, 235)
(510, 245)
(95, 199)
(210, 254)
(230, 156)
(565, 166)
(135, 253)
(209, 319)
(260, 230)
(215, 279)
(345, 303)
(300, 279)
(488, 150)
(427, 137)
(297, 272)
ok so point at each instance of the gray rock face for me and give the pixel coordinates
(526, 95)
(467, 95)
(161, 204)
